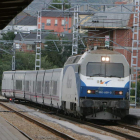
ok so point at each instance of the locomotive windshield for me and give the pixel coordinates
(98, 69)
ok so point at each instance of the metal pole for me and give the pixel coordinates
(75, 31)
(13, 58)
(38, 43)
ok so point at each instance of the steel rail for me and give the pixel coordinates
(20, 131)
(54, 131)
(118, 133)
(113, 131)
(128, 127)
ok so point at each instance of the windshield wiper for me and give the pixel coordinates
(113, 76)
(96, 74)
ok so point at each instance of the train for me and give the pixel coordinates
(92, 85)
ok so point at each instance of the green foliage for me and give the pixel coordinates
(5, 64)
(8, 36)
(56, 55)
(138, 89)
(25, 61)
(59, 6)
(132, 92)
(45, 64)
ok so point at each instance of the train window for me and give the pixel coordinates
(96, 69)
(114, 70)
(26, 85)
(33, 86)
(18, 84)
(71, 60)
(47, 87)
(76, 59)
(38, 86)
(54, 87)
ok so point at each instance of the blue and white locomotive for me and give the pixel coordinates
(94, 85)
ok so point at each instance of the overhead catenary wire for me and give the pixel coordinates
(50, 11)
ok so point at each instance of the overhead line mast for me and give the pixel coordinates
(75, 31)
(75, 9)
(38, 43)
(134, 55)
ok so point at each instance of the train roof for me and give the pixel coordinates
(103, 51)
(75, 59)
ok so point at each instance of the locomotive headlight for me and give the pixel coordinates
(88, 91)
(91, 91)
(107, 59)
(120, 92)
(103, 58)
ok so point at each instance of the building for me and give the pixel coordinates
(118, 27)
(25, 42)
(26, 24)
(56, 21)
(22, 22)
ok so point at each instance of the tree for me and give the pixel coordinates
(5, 65)
(8, 36)
(59, 6)
(50, 52)
(57, 55)
(25, 61)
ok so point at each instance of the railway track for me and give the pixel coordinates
(110, 130)
(103, 127)
(136, 129)
(127, 136)
(54, 131)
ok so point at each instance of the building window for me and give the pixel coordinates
(29, 47)
(63, 22)
(56, 22)
(48, 22)
(43, 26)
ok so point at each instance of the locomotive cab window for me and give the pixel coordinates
(98, 69)
(114, 70)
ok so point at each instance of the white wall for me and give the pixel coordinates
(25, 29)
(22, 28)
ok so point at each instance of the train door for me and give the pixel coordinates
(3, 88)
(47, 89)
(27, 85)
(55, 86)
(7, 84)
(33, 77)
(39, 86)
(19, 84)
